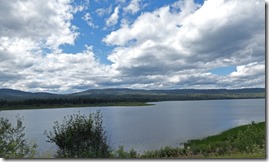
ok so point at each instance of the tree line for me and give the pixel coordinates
(116, 99)
(69, 101)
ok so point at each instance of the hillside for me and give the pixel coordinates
(9, 94)
(14, 99)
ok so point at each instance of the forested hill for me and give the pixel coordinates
(178, 94)
(10, 94)
(14, 99)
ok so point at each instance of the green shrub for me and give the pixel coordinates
(166, 152)
(121, 153)
(12, 140)
(80, 136)
(243, 139)
(250, 139)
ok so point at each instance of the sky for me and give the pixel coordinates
(64, 46)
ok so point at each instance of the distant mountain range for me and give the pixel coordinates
(10, 94)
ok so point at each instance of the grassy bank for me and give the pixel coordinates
(247, 141)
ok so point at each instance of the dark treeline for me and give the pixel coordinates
(66, 101)
(100, 100)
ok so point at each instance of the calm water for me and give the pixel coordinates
(151, 127)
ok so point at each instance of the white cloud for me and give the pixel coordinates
(103, 11)
(68, 71)
(28, 28)
(133, 7)
(113, 19)
(249, 70)
(172, 47)
(185, 6)
(87, 17)
(55, 72)
(120, 1)
(16, 53)
(38, 20)
(160, 24)
(169, 41)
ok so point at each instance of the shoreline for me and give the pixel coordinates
(201, 148)
(76, 106)
(150, 103)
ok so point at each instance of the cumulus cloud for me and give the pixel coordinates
(185, 36)
(38, 20)
(113, 19)
(55, 72)
(26, 31)
(171, 47)
(68, 71)
(148, 26)
(249, 70)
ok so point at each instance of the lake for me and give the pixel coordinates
(168, 123)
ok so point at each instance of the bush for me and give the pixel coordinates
(12, 141)
(80, 136)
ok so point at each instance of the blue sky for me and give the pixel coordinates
(93, 36)
(64, 46)
(223, 71)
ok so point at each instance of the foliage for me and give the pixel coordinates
(121, 153)
(80, 136)
(166, 152)
(248, 139)
(12, 141)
